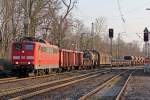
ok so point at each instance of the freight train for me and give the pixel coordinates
(31, 55)
(37, 56)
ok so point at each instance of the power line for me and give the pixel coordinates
(121, 14)
(137, 8)
(129, 11)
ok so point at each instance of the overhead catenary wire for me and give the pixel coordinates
(137, 8)
(131, 11)
(139, 36)
(122, 16)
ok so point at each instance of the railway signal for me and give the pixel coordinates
(146, 35)
(111, 34)
(146, 39)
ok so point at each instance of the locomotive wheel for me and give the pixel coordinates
(22, 73)
(26, 74)
(57, 70)
(77, 68)
(69, 68)
(60, 70)
(15, 72)
(72, 67)
(46, 71)
(39, 72)
(35, 72)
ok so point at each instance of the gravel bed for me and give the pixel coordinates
(30, 82)
(75, 91)
(111, 90)
(138, 87)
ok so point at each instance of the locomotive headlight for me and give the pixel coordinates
(29, 62)
(16, 62)
(22, 51)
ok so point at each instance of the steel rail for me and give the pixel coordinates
(6, 79)
(85, 97)
(9, 80)
(15, 79)
(23, 79)
(124, 87)
(16, 88)
(58, 82)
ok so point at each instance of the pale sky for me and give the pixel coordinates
(135, 15)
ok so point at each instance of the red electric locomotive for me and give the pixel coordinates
(37, 56)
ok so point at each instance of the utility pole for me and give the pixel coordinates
(146, 39)
(111, 46)
(147, 49)
(82, 41)
(118, 46)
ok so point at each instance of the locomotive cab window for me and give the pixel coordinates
(18, 46)
(86, 55)
(29, 47)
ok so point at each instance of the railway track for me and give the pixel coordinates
(138, 87)
(29, 91)
(119, 96)
(16, 79)
(75, 91)
(7, 79)
(112, 89)
(8, 85)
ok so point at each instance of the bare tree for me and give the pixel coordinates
(49, 15)
(8, 24)
(60, 23)
(32, 16)
(100, 25)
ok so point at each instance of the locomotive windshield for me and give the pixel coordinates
(29, 47)
(18, 46)
(87, 55)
